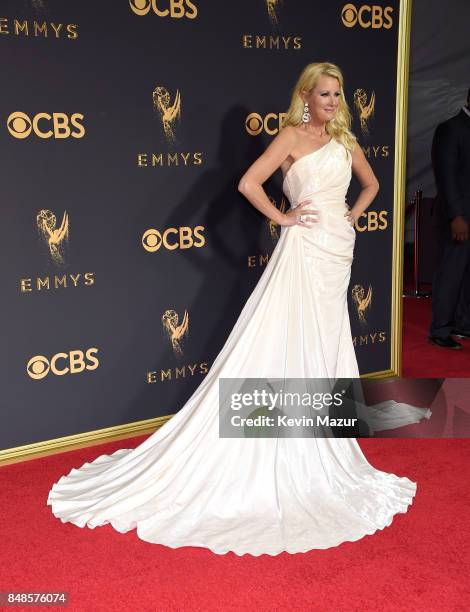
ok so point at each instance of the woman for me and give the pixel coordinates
(187, 486)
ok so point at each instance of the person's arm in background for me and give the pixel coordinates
(445, 165)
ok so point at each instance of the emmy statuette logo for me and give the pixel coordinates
(362, 301)
(167, 109)
(365, 109)
(169, 112)
(273, 7)
(367, 16)
(177, 332)
(54, 237)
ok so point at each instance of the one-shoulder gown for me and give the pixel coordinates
(186, 486)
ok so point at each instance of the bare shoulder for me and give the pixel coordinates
(282, 144)
(288, 135)
(272, 158)
(289, 139)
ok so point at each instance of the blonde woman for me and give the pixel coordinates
(186, 485)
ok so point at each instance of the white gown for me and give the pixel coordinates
(186, 486)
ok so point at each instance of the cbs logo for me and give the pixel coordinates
(72, 362)
(271, 123)
(45, 125)
(367, 16)
(173, 238)
(176, 10)
(373, 221)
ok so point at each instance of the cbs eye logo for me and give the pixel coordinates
(177, 8)
(60, 364)
(270, 123)
(173, 238)
(45, 125)
(367, 16)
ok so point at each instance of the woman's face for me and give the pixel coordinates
(323, 100)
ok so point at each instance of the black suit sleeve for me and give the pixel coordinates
(445, 158)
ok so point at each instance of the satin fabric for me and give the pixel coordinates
(186, 486)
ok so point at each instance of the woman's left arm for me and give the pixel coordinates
(368, 181)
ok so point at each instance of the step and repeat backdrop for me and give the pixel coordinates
(127, 251)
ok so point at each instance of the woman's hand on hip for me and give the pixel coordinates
(302, 215)
(351, 216)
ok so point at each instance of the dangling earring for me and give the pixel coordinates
(306, 115)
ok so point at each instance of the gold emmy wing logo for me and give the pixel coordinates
(362, 301)
(55, 237)
(273, 226)
(365, 109)
(176, 331)
(367, 16)
(273, 7)
(169, 113)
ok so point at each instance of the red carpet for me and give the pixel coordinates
(424, 360)
(420, 562)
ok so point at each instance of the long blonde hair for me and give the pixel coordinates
(340, 126)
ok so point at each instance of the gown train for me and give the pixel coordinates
(186, 486)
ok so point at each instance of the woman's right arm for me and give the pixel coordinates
(251, 183)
